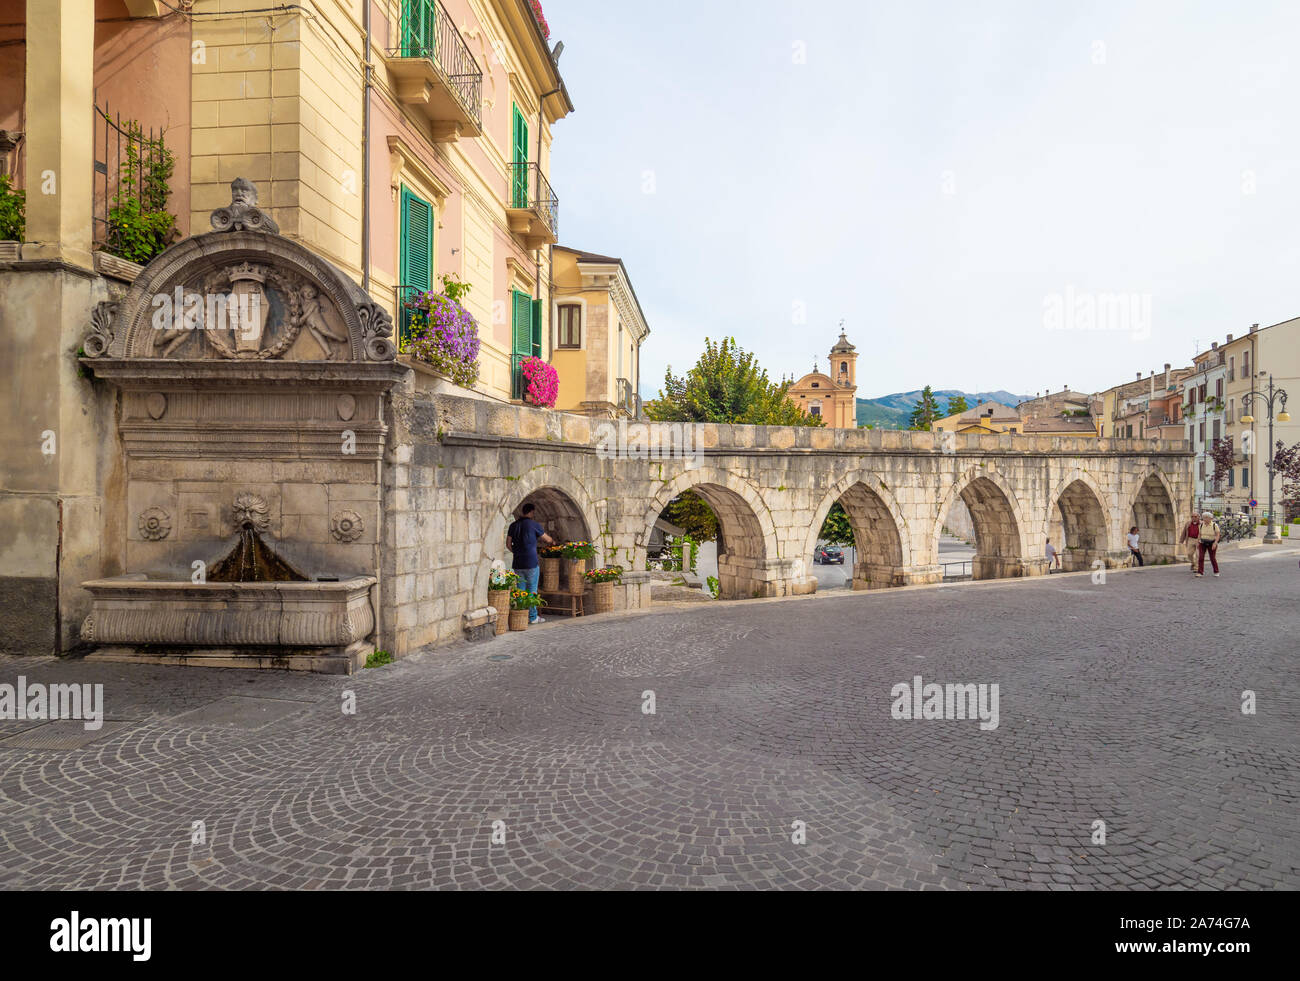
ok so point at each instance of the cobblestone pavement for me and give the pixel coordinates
(1118, 702)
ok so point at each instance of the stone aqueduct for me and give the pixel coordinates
(389, 492)
(771, 489)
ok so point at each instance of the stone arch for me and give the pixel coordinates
(1078, 499)
(1155, 512)
(884, 547)
(748, 547)
(568, 508)
(999, 523)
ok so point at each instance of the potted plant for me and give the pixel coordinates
(499, 587)
(602, 588)
(550, 561)
(521, 603)
(578, 554)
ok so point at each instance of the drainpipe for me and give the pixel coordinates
(365, 158)
(537, 267)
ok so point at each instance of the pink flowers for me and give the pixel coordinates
(542, 383)
(541, 18)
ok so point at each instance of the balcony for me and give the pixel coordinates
(627, 398)
(533, 210)
(435, 73)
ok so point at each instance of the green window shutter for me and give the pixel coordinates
(521, 330)
(537, 328)
(519, 173)
(415, 272)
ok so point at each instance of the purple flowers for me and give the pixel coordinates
(543, 383)
(444, 335)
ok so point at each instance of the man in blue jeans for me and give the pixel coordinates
(522, 538)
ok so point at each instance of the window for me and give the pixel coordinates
(844, 367)
(519, 172)
(524, 344)
(816, 384)
(415, 261)
(1245, 363)
(815, 409)
(1013, 429)
(1232, 478)
(1202, 469)
(1203, 390)
(569, 329)
(1245, 476)
(1218, 429)
(1202, 436)
(1218, 388)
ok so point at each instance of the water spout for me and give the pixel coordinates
(252, 560)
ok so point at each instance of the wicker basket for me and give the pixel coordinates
(550, 575)
(577, 576)
(518, 619)
(602, 595)
(499, 600)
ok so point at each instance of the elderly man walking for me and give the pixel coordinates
(1209, 536)
(1191, 540)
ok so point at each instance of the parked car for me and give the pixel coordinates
(829, 555)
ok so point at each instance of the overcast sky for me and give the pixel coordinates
(954, 180)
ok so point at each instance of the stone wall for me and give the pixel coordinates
(457, 470)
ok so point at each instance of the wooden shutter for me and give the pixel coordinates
(521, 331)
(415, 273)
(519, 191)
(537, 328)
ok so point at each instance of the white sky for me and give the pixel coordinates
(933, 174)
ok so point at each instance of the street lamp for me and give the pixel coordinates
(1275, 396)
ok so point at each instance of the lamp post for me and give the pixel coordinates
(1274, 397)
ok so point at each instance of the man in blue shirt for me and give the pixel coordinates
(522, 538)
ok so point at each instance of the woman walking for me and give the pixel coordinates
(1134, 545)
(1209, 542)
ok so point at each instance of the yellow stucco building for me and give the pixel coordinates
(401, 139)
(834, 399)
(598, 329)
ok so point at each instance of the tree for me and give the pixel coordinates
(926, 411)
(836, 529)
(956, 406)
(727, 385)
(692, 514)
(1221, 454)
(1286, 464)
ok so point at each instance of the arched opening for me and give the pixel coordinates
(1156, 521)
(1082, 537)
(739, 553)
(558, 513)
(997, 532)
(858, 543)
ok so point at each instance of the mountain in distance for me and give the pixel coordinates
(894, 411)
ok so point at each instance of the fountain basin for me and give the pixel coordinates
(325, 627)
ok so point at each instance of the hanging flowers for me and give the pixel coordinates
(444, 335)
(542, 384)
(541, 18)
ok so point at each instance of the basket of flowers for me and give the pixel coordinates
(602, 588)
(551, 556)
(578, 555)
(521, 603)
(499, 587)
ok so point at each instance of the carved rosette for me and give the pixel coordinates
(155, 524)
(347, 527)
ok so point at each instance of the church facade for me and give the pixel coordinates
(831, 396)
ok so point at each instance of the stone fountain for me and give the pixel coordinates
(251, 378)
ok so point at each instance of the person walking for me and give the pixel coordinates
(1190, 539)
(1053, 557)
(1134, 545)
(1208, 537)
(522, 538)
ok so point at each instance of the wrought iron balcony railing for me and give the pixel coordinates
(427, 31)
(626, 397)
(529, 189)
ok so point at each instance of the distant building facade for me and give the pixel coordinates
(831, 396)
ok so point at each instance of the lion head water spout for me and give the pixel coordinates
(252, 560)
